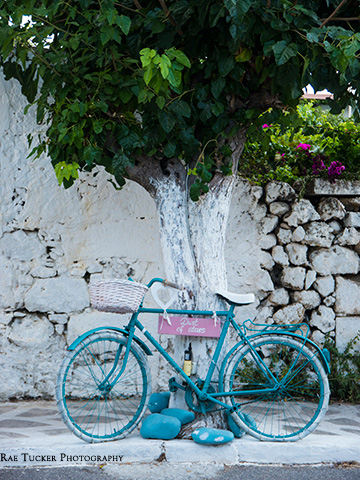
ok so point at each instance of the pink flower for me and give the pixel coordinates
(304, 146)
(266, 126)
(335, 169)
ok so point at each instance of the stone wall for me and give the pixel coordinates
(311, 248)
(298, 256)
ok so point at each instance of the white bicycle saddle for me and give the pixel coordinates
(236, 298)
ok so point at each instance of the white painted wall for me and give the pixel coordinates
(50, 237)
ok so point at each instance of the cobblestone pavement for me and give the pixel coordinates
(32, 433)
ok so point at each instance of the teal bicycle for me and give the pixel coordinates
(272, 383)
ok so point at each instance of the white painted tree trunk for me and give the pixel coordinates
(193, 240)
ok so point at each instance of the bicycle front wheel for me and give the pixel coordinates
(90, 406)
(280, 388)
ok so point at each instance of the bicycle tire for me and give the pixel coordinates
(297, 406)
(90, 408)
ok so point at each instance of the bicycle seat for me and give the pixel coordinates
(237, 298)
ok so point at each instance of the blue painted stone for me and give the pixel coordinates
(159, 401)
(234, 427)
(160, 426)
(212, 436)
(183, 415)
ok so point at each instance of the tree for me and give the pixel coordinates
(162, 92)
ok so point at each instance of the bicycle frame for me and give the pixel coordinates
(202, 394)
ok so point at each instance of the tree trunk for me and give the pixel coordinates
(193, 240)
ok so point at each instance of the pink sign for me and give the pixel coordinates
(194, 327)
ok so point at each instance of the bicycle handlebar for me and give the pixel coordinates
(167, 283)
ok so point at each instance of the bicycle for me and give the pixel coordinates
(273, 381)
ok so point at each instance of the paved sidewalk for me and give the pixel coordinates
(32, 434)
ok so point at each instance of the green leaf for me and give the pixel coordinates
(180, 107)
(167, 120)
(160, 102)
(174, 78)
(180, 56)
(106, 35)
(66, 171)
(245, 55)
(217, 86)
(98, 126)
(165, 65)
(148, 74)
(169, 150)
(283, 52)
(226, 64)
(146, 56)
(124, 23)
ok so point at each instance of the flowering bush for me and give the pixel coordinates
(311, 144)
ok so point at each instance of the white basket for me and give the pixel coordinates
(120, 296)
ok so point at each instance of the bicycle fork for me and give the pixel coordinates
(106, 385)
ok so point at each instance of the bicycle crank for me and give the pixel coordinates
(193, 401)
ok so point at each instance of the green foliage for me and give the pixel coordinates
(344, 377)
(120, 84)
(303, 145)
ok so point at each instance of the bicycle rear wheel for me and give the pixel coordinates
(90, 407)
(282, 390)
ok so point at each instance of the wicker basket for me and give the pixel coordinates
(120, 296)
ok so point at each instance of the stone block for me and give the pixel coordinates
(302, 212)
(335, 227)
(329, 301)
(318, 234)
(347, 296)
(280, 296)
(31, 332)
(335, 260)
(309, 298)
(267, 241)
(350, 236)
(325, 285)
(57, 295)
(22, 246)
(352, 219)
(323, 319)
(266, 260)
(298, 234)
(268, 224)
(330, 208)
(297, 253)
(279, 256)
(279, 208)
(346, 330)
(310, 279)
(319, 186)
(290, 314)
(284, 236)
(352, 204)
(279, 191)
(293, 277)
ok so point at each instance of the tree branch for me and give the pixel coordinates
(170, 17)
(342, 19)
(334, 13)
